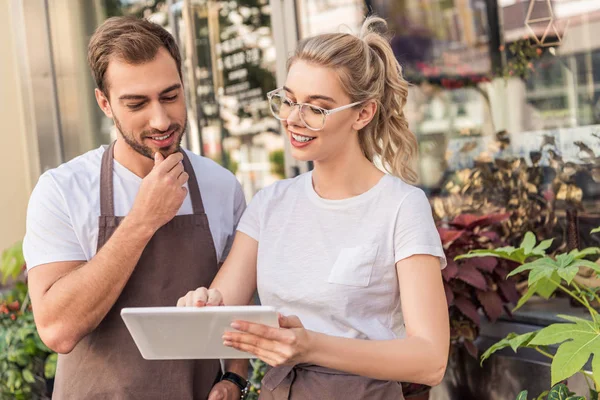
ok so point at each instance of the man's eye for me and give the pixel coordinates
(135, 106)
(170, 98)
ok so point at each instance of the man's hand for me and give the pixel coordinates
(225, 390)
(162, 192)
(201, 297)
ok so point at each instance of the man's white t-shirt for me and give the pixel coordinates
(332, 262)
(62, 217)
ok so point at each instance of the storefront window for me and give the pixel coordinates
(229, 65)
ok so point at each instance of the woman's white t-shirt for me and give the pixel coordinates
(332, 262)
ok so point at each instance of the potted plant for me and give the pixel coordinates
(576, 339)
(27, 366)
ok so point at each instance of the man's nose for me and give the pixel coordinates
(160, 119)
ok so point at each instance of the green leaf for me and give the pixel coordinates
(530, 292)
(543, 395)
(540, 272)
(528, 242)
(522, 395)
(571, 356)
(588, 251)
(558, 333)
(541, 248)
(595, 230)
(593, 394)
(563, 260)
(575, 319)
(512, 340)
(585, 263)
(546, 262)
(50, 366)
(28, 376)
(547, 287)
(575, 398)
(559, 392)
(568, 273)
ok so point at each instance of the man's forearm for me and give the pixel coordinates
(77, 302)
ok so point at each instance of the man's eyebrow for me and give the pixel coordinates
(313, 96)
(142, 97)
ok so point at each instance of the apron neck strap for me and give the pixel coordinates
(107, 206)
(197, 203)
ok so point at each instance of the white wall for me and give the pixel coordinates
(15, 174)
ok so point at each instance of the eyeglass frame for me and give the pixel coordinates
(324, 110)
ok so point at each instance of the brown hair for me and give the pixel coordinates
(368, 70)
(129, 39)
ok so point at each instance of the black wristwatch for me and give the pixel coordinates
(238, 381)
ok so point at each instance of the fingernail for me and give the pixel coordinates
(227, 343)
(235, 325)
(226, 337)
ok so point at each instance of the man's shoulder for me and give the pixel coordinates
(79, 168)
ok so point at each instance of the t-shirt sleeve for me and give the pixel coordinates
(239, 205)
(415, 231)
(49, 236)
(250, 222)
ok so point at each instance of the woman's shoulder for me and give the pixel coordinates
(400, 191)
(283, 188)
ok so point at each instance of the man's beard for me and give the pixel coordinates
(146, 151)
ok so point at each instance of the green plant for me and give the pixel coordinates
(277, 163)
(259, 368)
(577, 339)
(25, 362)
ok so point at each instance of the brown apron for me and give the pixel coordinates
(304, 382)
(106, 364)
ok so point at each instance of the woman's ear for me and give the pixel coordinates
(365, 115)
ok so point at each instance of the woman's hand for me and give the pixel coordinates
(201, 297)
(288, 345)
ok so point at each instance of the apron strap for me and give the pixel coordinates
(107, 206)
(194, 190)
(107, 198)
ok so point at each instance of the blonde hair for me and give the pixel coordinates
(368, 70)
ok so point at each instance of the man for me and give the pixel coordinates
(133, 224)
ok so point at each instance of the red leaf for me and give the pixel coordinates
(466, 220)
(470, 275)
(471, 348)
(466, 307)
(509, 291)
(492, 304)
(449, 235)
(449, 294)
(495, 218)
(469, 221)
(501, 272)
(486, 264)
(450, 271)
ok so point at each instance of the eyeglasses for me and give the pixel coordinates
(313, 117)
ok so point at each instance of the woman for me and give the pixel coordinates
(351, 252)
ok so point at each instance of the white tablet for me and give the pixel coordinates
(173, 333)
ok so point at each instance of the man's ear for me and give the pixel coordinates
(103, 103)
(365, 115)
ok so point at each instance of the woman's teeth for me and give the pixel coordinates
(302, 139)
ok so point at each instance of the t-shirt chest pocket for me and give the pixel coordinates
(354, 266)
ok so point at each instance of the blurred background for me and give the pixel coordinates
(504, 101)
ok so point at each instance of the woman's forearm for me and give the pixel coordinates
(412, 359)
